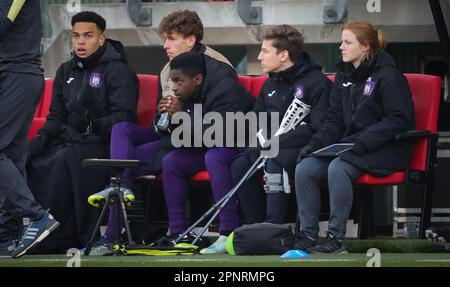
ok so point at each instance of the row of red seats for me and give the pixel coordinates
(426, 96)
(148, 95)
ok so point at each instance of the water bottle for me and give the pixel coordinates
(163, 122)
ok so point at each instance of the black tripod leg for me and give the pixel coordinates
(125, 219)
(117, 228)
(97, 226)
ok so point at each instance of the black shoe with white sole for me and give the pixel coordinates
(330, 244)
(305, 242)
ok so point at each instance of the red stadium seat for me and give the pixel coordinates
(46, 98)
(257, 84)
(37, 111)
(42, 109)
(246, 82)
(36, 125)
(331, 77)
(201, 176)
(426, 91)
(148, 97)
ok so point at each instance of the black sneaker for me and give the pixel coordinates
(169, 241)
(165, 241)
(330, 244)
(439, 235)
(34, 233)
(305, 242)
(102, 246)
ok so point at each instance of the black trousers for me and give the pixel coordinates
(256, 205)
(19, 96)
(60, 182)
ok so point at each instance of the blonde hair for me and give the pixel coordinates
(366, 34)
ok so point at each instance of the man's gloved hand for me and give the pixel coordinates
(258, 148)
(307, 149)
(36, 145)
(78, 122)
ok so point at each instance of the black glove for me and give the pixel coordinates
(257, 149)
(79, 123)
(36, 145)
(306, 150)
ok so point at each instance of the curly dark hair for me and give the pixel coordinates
(184, 22)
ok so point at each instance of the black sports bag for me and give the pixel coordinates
(261, 239)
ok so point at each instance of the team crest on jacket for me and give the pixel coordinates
(299, 91)
(96, 80)
(368, 88)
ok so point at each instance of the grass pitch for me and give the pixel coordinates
(393, 253)
(337, 260)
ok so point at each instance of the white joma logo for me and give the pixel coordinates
(271, 94)
(346, 84)
(70, 80)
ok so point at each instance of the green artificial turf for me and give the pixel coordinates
(322, 260)
(393, 253)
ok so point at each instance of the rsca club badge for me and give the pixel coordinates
(369, 87)
(299, 91)
(96, 80)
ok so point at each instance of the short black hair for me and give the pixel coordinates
(90, 17)
(190, 63)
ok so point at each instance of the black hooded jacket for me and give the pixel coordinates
(368, 107)
(164, 83)
(278, 92)
(219, 93)
(91, 95)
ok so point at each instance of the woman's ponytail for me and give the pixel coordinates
(381, 41)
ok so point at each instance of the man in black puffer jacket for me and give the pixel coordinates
(91, 92)
(291, 73)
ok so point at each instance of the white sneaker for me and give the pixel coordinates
(217, 247)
